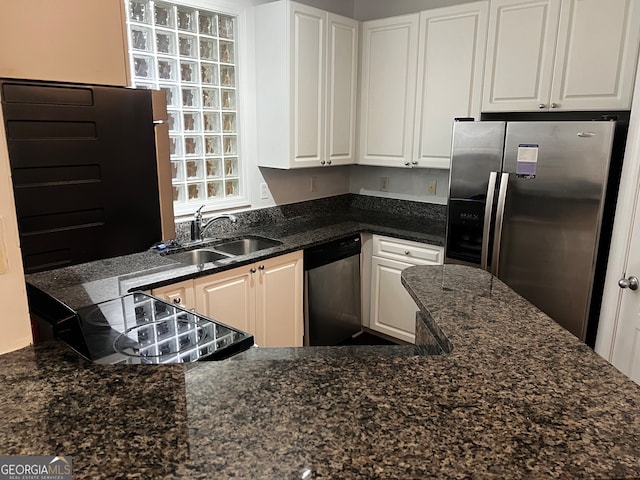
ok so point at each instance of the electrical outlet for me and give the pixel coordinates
(384, 184)
(431, 187)
(264, 191)
(313, 183)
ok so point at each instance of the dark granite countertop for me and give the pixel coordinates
(103, 280)
(516, 396)
(510, 395)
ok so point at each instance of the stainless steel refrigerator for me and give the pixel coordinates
(526, 202)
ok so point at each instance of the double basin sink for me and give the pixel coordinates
(232, 248)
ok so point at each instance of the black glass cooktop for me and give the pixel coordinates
(141, 329)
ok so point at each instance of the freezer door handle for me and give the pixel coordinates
(502, 197)
(486, 228)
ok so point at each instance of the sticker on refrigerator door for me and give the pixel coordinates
(527, 161)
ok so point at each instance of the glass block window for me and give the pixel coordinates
(190, 54)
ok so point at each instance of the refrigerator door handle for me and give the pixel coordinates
(486, 228)
(502, 197)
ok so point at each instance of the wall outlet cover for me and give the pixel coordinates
(384, 184)
(313, 183)
(432, 187)
(264, 191)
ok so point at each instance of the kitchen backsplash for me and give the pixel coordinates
(396, 206)
(321, 207)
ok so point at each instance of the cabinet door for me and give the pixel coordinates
(342, 54)
(596, 55)
(181, 293)
(308, 81)
(520, 53)
(279, 321)
(388, 88)
(393, 311)
(228, 297)
(66, 40)
(448, 89)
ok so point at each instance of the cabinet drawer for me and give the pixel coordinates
(407, 251)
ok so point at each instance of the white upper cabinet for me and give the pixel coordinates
(308, 81)
(596, 54)
(552, 55)
(388, 89)
(520, 52)
(342, 75)
(419, 72)
(306, 77)
(450, 68)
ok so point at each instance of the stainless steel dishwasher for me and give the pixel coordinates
(332, 291)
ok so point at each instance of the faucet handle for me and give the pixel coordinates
(198, 213)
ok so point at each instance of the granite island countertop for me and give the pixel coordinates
(516, 396)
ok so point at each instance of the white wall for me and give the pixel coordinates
(403, 183)
(291, 186)
(339, 7)
(372, 9)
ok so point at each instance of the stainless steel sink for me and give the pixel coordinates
(198, 256)
(232, 248)
(244, 246)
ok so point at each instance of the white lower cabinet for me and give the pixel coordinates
(264, 299)
(392, 310)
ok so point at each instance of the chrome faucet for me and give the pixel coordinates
(198, 228)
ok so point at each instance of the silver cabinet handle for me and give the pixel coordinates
(541, 106)
(631, 283)
(407, 252)
(486, 227)
(322, 162)
(177, 300)
(253, 270)
(406, 164)
(261, 267)
(554, 105)
(497, 237)
(328, 162)
(415, 162)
